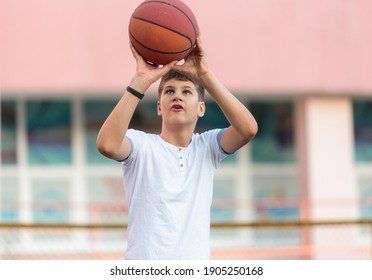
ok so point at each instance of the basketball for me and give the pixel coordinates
(163, 31)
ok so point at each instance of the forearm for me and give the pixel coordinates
(236, 113)
(113, 130)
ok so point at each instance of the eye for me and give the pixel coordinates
(169, 91)
(187, 92)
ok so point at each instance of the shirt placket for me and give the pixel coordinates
(181, 161)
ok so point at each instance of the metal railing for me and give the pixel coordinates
(326, 239)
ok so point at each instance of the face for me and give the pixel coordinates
(179, 103)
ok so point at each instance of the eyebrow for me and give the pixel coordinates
(172, 87)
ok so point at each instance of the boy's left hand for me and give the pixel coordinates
(195, 65)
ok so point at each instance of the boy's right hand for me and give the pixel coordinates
(147, 74)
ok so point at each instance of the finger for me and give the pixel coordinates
(166, 68)
(182, 70)
(198, 40)
(199, 44)
(136, 55)
(153, 65)
(134, 52)
(161, 71)
(176, 65)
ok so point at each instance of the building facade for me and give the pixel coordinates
(303, 68)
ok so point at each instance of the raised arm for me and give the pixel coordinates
(243, 126)
(111, 141)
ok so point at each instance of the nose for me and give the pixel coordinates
(177, 96)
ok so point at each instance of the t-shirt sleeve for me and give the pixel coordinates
(213, 137)
(136, 139)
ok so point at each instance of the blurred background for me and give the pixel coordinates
(302, 189)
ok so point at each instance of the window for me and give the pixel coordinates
(362, 111)
(49, 132)
(107, 205)
(276, 198)
(8, 133)
(223, 207)
(106, 199)
(9, 199)
(365, 200)
(51, 197)
(95, 113)
(274, 141)
(274, 181)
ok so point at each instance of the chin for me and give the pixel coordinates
(178, 121)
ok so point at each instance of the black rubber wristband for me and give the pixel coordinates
(135, 93)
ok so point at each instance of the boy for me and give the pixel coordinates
(168, 178)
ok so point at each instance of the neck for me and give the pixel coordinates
(177, 137)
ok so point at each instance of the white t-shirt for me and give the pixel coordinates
(169, 193)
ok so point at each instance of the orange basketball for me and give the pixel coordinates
(163, 31)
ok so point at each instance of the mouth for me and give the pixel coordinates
(177, 108)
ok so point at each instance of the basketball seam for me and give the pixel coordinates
(167, 28)
(162, 52)
(166, 3)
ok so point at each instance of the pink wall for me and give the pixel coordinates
(266, 45)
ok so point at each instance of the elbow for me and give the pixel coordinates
(251, 132)
(254, 129)
(104, 148)
(101, 147)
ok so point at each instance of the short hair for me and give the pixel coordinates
(178, 76)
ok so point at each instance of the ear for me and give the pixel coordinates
(201, 110)
(158, 108)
